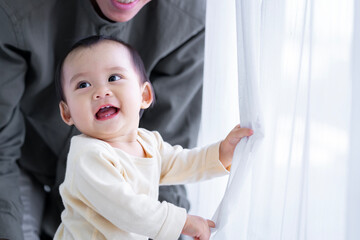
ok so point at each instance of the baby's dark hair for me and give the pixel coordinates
(91, 41)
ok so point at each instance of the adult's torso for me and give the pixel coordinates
(45, 29)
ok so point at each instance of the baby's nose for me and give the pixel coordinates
(102, 93)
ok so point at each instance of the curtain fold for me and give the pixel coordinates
(248, 41)
(220, 109)
(298, 85)
(353, 195)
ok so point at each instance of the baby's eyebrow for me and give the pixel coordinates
(76, 76)
(117, 68)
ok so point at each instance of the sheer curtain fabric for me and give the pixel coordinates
(298, 88)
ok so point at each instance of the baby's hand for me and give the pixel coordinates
(227, 146)
(197, 227)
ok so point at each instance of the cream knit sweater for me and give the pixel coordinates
(109, 194)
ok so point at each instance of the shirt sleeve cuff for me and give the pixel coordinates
(173, 223)
(213, 164)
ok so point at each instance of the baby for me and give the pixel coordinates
(114, 168)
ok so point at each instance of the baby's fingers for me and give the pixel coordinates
(245, 132)
(237, 133)
(210, 223)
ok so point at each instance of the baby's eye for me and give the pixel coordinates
(114, 78)
(83, 85)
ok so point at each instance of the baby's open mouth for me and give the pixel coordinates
(106, 112)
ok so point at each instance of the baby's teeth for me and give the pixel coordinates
(125, 1)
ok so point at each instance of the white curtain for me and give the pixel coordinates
(220, 111)
(298, 82)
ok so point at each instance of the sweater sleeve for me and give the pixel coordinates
(104, 188)
(181, 165)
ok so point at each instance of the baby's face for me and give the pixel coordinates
(102, 90)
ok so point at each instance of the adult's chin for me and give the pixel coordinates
(120, 11)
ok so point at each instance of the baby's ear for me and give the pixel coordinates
(147, 95)
(65, 113)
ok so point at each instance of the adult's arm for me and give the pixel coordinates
(178, 80)
(12, 130)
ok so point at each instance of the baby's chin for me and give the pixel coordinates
(112, 131)
(101, 136)
(108, 136)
